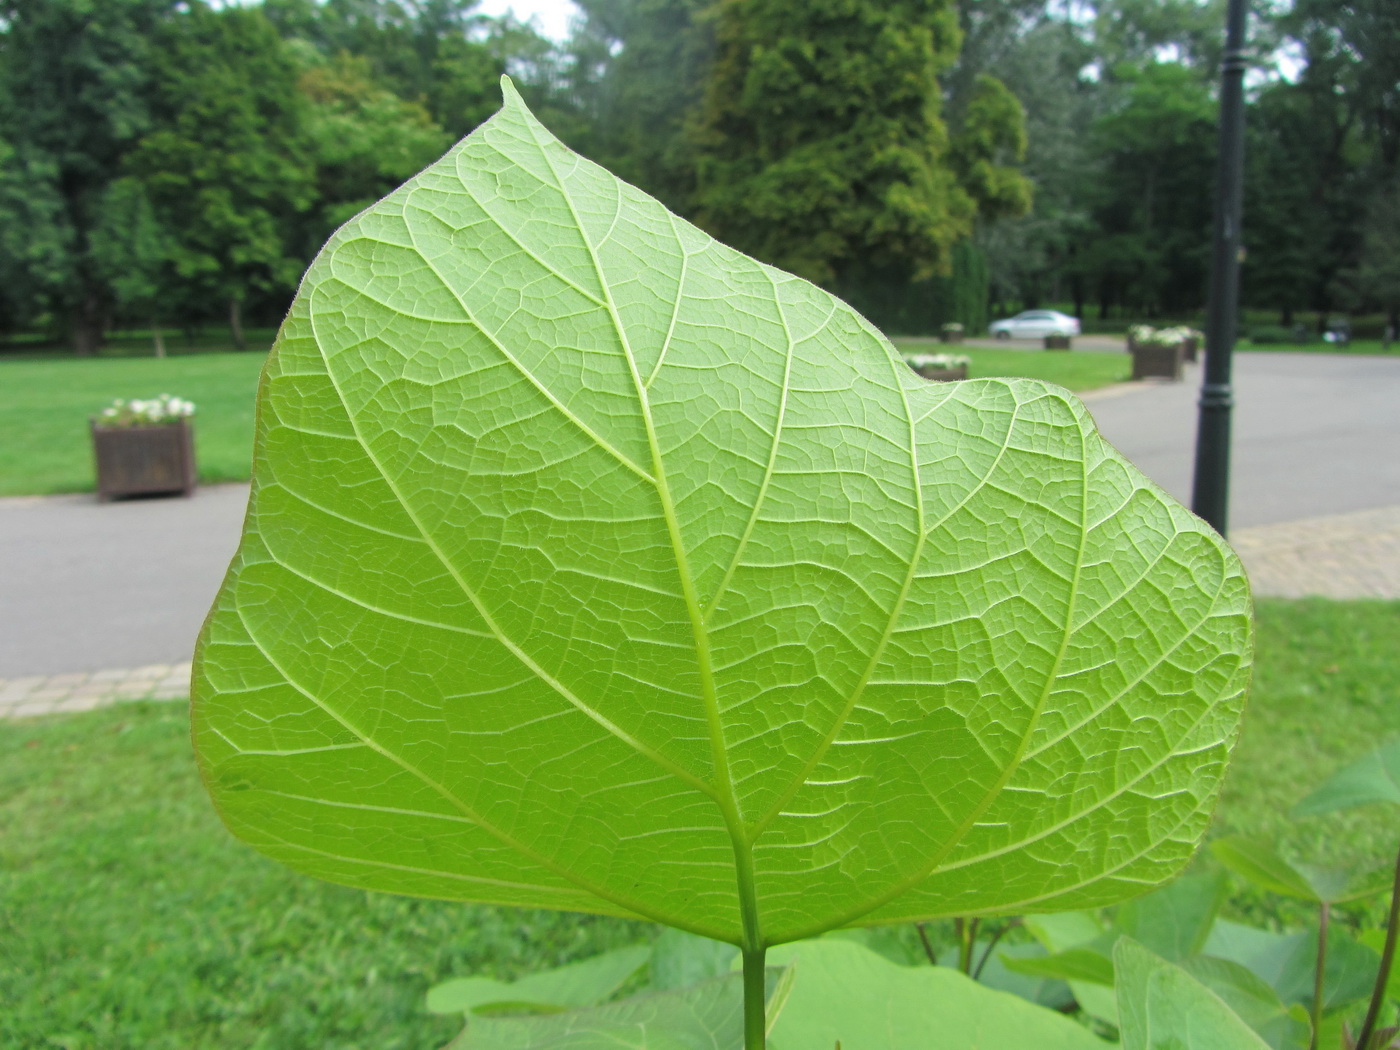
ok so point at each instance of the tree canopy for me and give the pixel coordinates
(168, 163)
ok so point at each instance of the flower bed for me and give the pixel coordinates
(143, 447)
(939, 367)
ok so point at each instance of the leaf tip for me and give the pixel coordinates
(510, 97)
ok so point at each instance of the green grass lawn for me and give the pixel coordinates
(1074, 369)
(1326, 691)
(44, 414)
(48, 400)
(130, 919)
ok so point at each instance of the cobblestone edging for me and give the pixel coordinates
(83, 691)
(1343, 556)
(1353, 555)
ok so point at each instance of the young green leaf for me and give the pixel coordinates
(1375, 940)
(1175, 921)
(704, 1016)
(1287, 962)
(1162, 1007)
(1375, 778)
(584, 983)
(844, 993)
(1070, 931)
(679, 959)
(1254, 1000)
(1076, 964)
(1261, 866)
(592, 565)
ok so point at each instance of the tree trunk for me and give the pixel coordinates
(235, 323)
(159, 338)
(88, 325)
(1285, 316)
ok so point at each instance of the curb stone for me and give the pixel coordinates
(1343, 556)
(35, 695)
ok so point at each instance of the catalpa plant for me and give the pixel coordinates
(593, 565)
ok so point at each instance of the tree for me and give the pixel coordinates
(1039, 57)
(820, 147)
(640, 69)
(1152, 206)
(363, 140)
(988, 148)
(1377, 273)
(227, 170)
(136, 256)
(74, 81)
(439, 54)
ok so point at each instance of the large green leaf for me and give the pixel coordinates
(592, 565)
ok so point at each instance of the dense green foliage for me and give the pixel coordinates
(133, 920)
(165, 164)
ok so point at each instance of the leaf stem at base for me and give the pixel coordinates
(1319, 974)
(754, 994)
(1392, 931)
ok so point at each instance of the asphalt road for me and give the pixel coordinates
(87, 586)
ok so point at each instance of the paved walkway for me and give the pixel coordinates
(1315, 510)
(1344, 556)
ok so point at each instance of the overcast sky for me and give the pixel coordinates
(551, 16)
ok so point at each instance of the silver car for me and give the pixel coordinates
(1034, 324)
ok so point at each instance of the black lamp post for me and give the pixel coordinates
(1210, 494)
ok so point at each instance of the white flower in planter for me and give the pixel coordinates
(137, 413)
(919, 362)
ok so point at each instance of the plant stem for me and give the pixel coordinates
(928, 948)
(965, 930)
(755, 1033)
(1324, 916)
(992, 943)
(1392, 931)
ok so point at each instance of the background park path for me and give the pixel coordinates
(103, 601)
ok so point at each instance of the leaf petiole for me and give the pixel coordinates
(754, 994)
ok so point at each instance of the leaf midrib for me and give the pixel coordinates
(727, 800)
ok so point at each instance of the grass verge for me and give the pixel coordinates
(130, 918)
(1326, 691)
(1073, 369)
(48, 401)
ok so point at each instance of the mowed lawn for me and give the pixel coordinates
(46, 405)
(129, 918)
(1077, 370)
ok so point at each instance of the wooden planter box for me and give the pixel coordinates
(1057, 342)
(950, 337)
(1157, 362)
(137, 461)
(1189, 349)
(943, 375)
